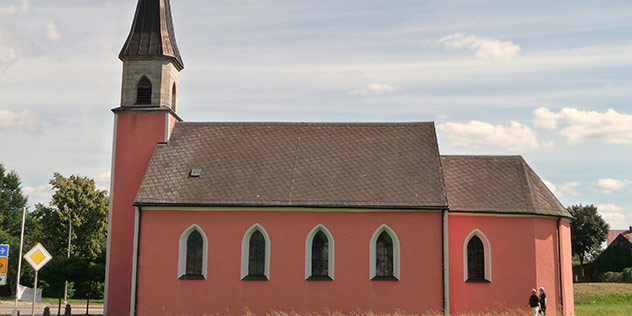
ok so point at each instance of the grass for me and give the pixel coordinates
(612, 299)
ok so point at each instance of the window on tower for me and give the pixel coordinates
(143, 92)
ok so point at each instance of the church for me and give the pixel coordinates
(223, 218)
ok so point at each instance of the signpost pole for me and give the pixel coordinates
(17, 283)
(34, 294)
(69, 238)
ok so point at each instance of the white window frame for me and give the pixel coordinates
(245, 250)
(396, 255)
(308, 251)
(182, 254)
(487, 251)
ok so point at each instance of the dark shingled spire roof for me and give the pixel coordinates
(497, 184)
(152, 32)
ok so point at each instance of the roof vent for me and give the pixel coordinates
(195, 173)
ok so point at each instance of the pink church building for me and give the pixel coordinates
(312, 217)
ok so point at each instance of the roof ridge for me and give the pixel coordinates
(298, 144)
(525, 184)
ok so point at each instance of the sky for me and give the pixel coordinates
(551, 81)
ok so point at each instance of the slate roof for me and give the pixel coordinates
(152, 32)
(392, 165)
(497, 184)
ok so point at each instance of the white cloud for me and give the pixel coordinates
(442, 117)
(14, 6)
(373, 89)
(39, 194)
(102, 181)
(52, 32)
(9, 50)
(611, 212)
(23, 120)
(569, 188)
(607, 185)
(608, 127)
(512, 137)
(485, 48)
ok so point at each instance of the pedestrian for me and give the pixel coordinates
(542, 301)
(534, 302)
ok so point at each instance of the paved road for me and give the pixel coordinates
(25, 310)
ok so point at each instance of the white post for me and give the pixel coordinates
(69, 237)
(34, 294)
(17, 283)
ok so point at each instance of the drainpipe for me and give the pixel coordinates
(559, 262)
(446, 268)
(135, 257)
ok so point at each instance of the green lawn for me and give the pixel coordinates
(611, 299)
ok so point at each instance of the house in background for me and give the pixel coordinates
(310, 217)
(614, 234)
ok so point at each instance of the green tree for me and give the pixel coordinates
(588, 232)
(12, 200)
(75, 200)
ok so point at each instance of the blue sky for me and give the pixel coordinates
(549, 81)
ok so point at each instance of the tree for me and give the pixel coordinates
(12, 200)
(588, 232)
(75, 200)
(78, 201)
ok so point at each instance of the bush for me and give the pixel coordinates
(611, 277)
(627, 278)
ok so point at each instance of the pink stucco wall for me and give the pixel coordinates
(160, 292)
(524, 256)
(136, 138)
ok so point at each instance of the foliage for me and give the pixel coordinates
(588, 231)
(87, 277)
(12, 200)
(614, 258)
(76, 200)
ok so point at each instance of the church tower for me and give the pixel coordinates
(145, 117)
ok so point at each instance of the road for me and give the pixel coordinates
(25, 309)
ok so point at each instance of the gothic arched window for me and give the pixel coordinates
(384, 255)
(143, 91)
(195, 244)
(255, 254)
(193, 254)
(475, 259)
(319, 254)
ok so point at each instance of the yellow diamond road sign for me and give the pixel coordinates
(37, 257)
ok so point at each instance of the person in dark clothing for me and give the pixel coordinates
(542, 301)
(534, 302)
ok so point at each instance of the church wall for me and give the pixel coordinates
(567, 268)
(135, 140)
(160, 291)
(513, 262)
(547, 267)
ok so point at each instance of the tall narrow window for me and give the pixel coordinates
(477, 258)
(192, 258)
(143, 92)
(173, 97)
(319, 254)
(384, 255)
(255, 255)
(194, 253)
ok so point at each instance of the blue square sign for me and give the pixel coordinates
(4, 251)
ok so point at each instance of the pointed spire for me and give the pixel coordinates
(152, 32)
